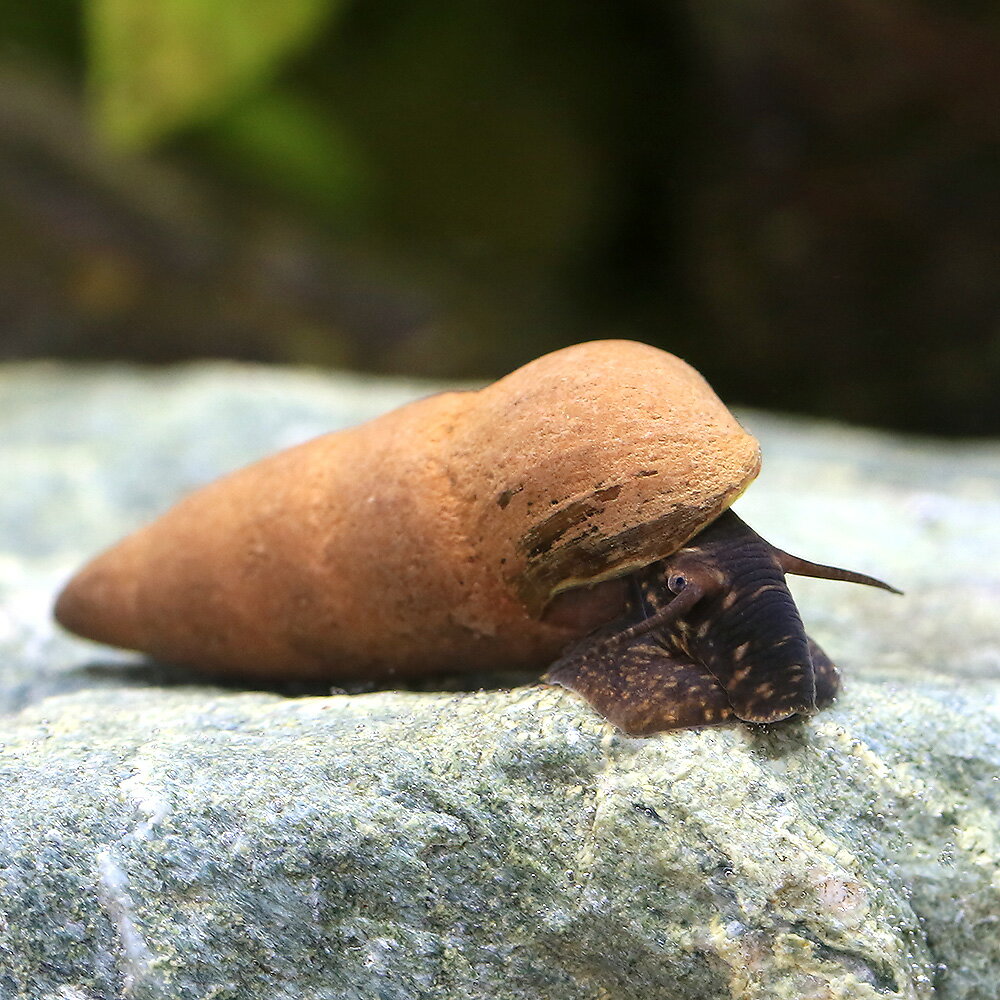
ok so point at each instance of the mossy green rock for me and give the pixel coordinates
(163, 838)
(186, 844)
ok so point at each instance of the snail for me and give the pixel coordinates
(573, 515)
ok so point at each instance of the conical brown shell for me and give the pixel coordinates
(434, 536)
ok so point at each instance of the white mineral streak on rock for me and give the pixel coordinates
(69, 993)
(117, 903)
(148, 800)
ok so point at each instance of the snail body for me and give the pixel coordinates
(711, 634)
(469, 530)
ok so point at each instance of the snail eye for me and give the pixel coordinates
(676, 582)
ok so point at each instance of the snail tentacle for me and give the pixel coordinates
(679, 606)
(798, 566)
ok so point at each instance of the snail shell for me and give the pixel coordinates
(436, 536)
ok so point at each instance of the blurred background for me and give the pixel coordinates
(801, 198)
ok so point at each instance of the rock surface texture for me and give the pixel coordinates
(162, 838)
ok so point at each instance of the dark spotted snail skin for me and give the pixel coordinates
(711, 635)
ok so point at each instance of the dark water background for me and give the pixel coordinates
(799, 198)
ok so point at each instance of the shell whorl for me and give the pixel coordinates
(433, 537)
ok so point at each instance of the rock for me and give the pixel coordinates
(165, 838)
